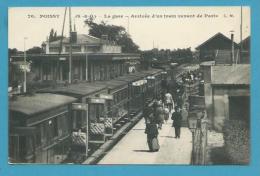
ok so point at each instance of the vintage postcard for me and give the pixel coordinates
(129, 85)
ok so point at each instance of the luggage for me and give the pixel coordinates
(155, 145)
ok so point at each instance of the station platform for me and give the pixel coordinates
(133, 148)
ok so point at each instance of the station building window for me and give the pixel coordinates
(54, 49)
(73, 48)
(92, 49)
(46, 71)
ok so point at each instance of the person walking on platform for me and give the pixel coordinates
(159, 115)
(169, 103)
(177, 119)
(152, 133)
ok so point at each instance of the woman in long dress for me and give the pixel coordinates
(152, 134)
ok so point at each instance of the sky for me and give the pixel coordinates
(149, 27)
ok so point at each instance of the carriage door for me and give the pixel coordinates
(80, 123)
(138, 95)
(96, 120)
(108, 118)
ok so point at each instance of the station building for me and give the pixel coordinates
(93, 59)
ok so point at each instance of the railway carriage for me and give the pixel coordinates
(39, 128)
(117, 107)
(87, 125)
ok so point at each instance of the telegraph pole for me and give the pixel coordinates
(70, 54)
(60, 48)
(128, 25)
(24, 70)
(241, 33)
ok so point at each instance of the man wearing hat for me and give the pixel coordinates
(177, 119)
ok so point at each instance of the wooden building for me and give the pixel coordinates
(217, 45)
(245, 50)
(39, 128)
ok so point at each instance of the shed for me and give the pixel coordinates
(218, 42)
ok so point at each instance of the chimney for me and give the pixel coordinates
(73, 37)
(232, 48)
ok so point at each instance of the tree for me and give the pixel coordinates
(53, 36)
(12, 51)
(115, 33)
(34, 50)
(166, 55)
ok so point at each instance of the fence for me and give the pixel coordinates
(199, 136)
(200, 142)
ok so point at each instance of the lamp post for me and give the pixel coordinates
(24, 71)
(192, 124)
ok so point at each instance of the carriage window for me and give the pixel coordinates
(78, 121)
(55, 127)
(96, 112)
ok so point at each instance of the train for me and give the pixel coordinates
(67, 123)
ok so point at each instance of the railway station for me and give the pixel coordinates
(90, 102)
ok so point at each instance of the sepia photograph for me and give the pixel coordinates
(166, 85)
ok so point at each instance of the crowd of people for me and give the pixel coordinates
(191, 77)
(170, 105)
(164, 108)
